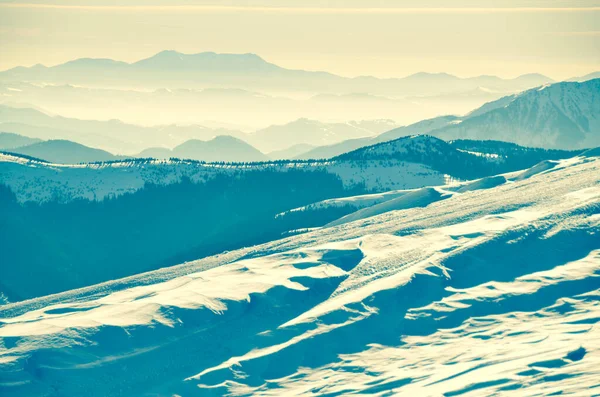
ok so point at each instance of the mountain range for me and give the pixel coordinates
(562, 115)
(314, 133)
(251, 110)
(171, 69)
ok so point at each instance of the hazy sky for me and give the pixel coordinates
(383, 38)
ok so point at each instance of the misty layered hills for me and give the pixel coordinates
(421, 127)
(311, 132)
(118, 137)
(251, 110)
(10, 141)
(171, 69)
(590, 76)
(174, 88)
(220, 148)
(295, 151)
(456, 102)
(65, 152)
(111, 135)
(562, 115)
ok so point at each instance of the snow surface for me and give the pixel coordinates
(495, 290)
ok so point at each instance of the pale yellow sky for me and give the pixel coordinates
(383, 38)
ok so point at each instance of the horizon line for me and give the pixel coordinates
(305, 10)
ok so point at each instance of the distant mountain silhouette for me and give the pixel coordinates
(251, 109)
(9, 140)
(111, 135)
(249, 71)
(291, 152)
(220, 148)
(589, 76)
(118, 137)
(65, 152)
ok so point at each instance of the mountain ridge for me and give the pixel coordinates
(266, 75)
(65, 152)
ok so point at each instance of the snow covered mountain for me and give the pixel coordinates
(493, 290)
(562, 115)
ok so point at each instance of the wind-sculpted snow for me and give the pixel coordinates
(412, 199)
(493, 290)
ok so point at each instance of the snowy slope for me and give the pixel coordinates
(491, 291)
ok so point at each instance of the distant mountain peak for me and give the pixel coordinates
(440, 75)
(93, 62)
(534, 75)
(208, 58)
(219, 148)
